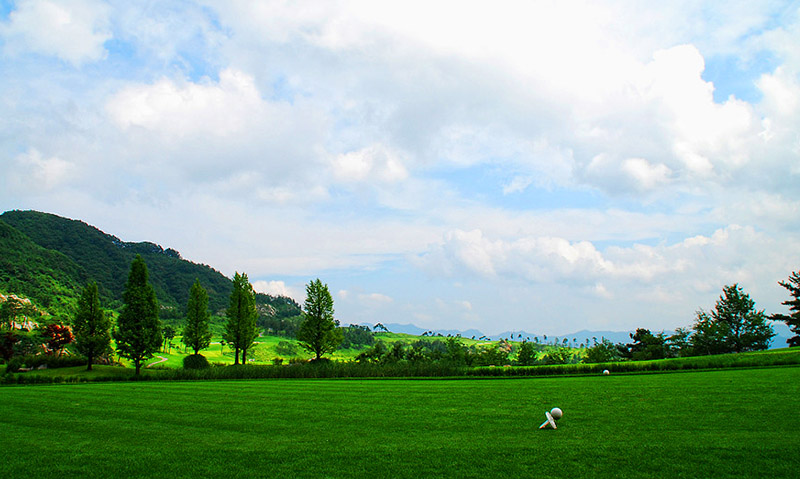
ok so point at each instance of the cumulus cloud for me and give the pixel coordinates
(275, 288)
(375, 298)
(538, 259)
(224, 132)
(34, 173)
(72, 30)
(188, 109)
(702, 260)
(371, 163)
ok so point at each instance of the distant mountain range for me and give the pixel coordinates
(50, 259)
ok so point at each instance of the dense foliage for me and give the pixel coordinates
(793, 318)
(733, 326)
(196, 333)
(49, 259)
(451, 351)
(280, 326)
(241, 329)
(319, 332)
(356, 336)
(49, 277)
(195, 361)
(138, 331)
(92, 326)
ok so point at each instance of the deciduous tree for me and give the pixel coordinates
(647, 345)
(601, 352)
(57, 336)
(138, 331)
(240, 330)
(196, 333)
(319, 332)
(733, 326)
(167, 333)
(91, 325)
(793, 318)
(680, 344)
(526, 356)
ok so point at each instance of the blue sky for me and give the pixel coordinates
(539, 166)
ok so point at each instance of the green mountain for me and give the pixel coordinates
(51, 278)
(49, 259)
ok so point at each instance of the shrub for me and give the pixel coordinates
(602, 352)
(286, 348)
(558, 355)
(52, 362)
(195, 361)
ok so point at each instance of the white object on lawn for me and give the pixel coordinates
(606, 372)
(552, 416)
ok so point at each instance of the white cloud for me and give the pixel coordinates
(699, 259)
(371, 163)
(188, 109)
(34, 173)
(646, 175)
(518, 184)
(225, 133)
(275, 288)
(72, 30)
(375, 299)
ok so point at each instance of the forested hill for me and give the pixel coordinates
(49, 258)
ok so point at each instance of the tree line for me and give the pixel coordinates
(138, 332)
(733, 325)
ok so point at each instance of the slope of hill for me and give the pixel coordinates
(72, 252)
(50, 277)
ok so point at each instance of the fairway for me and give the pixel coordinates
(727, 423)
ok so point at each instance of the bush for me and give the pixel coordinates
(52, 362)
(195, 361)
(286, 348)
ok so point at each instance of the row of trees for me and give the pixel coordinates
(138, 333)
(451, 351)
(733, 326)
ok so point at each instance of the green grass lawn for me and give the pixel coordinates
(725, 423)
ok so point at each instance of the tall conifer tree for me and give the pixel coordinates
(240, 330)
(91, 325)
(138, 331)
(793, 318)
(196, 333)
(319, 332)
(733, 326)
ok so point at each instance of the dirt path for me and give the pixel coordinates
(156, 362)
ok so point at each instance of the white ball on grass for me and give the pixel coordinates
(606, 372)
(556, 413)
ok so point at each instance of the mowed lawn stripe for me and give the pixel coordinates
(698, 424)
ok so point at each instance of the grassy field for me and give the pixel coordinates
(726, 423)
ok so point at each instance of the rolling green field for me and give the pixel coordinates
(725, 423)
